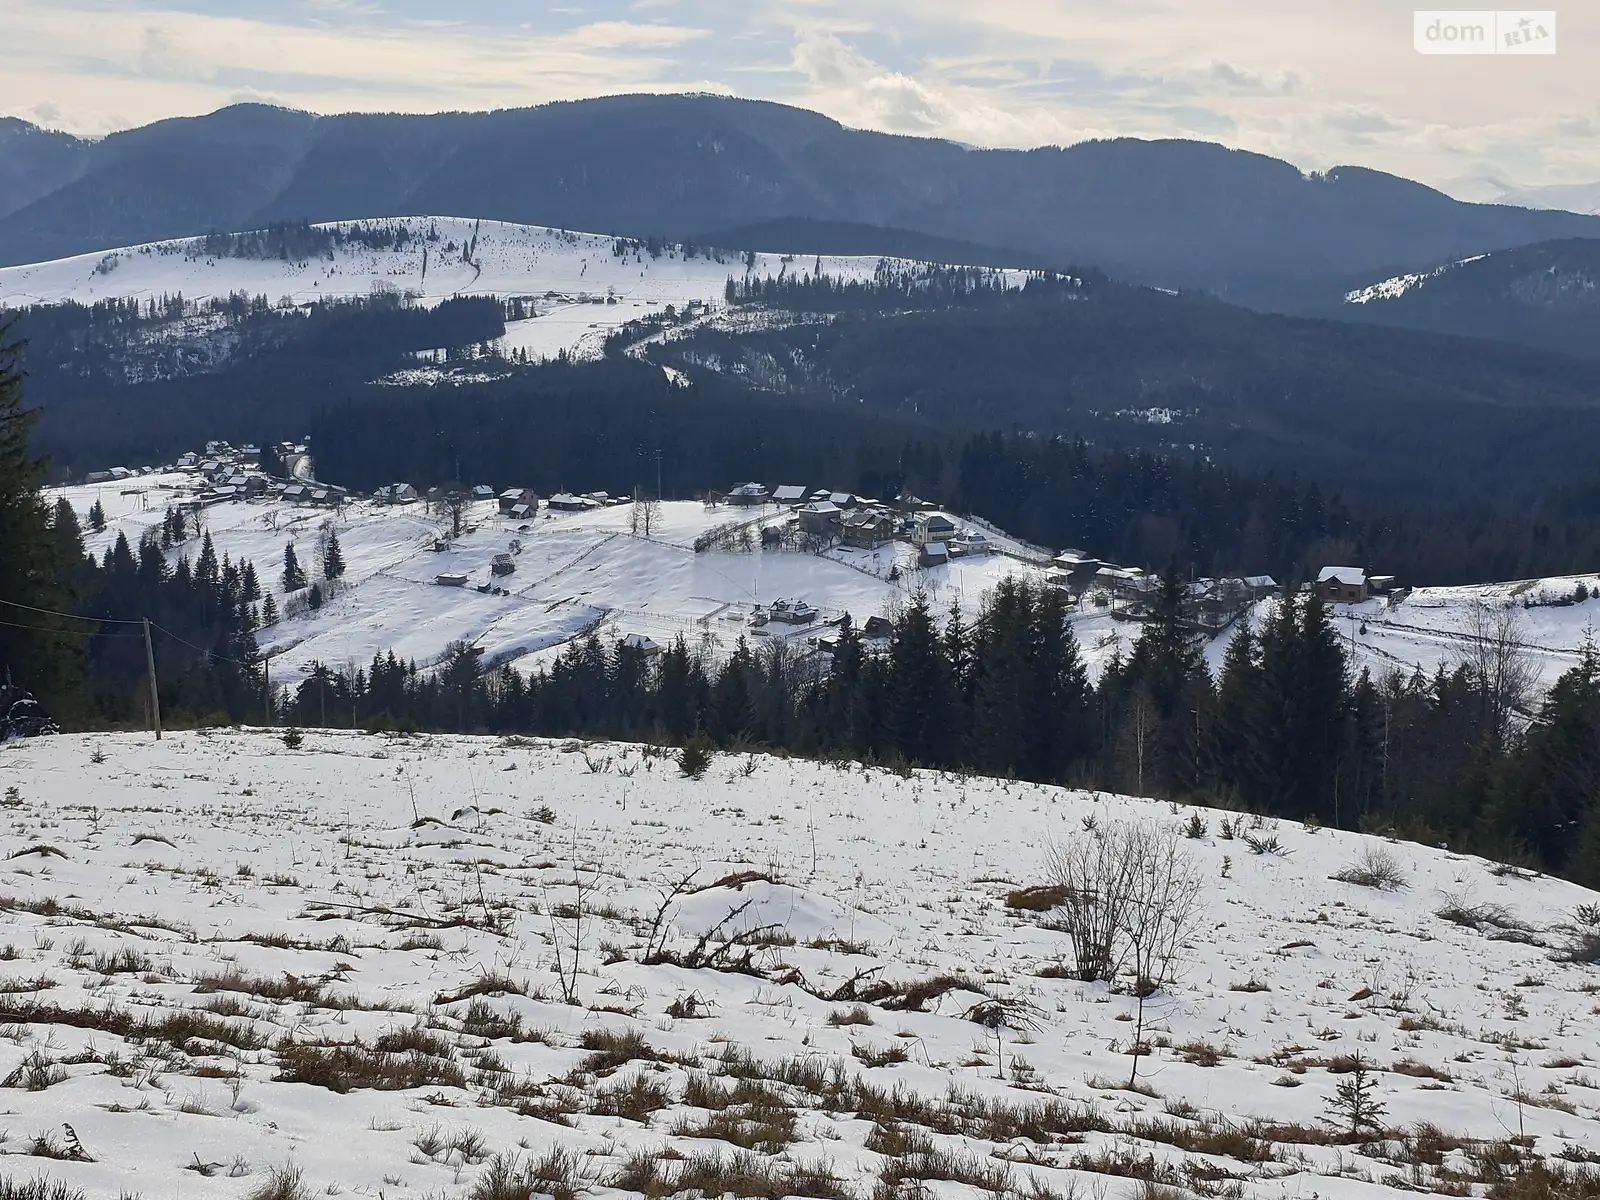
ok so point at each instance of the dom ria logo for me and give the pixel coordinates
(1487, 31)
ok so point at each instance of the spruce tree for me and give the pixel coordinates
(1550, 792)
(1060, 725)
(35, 563)
(97, 516)
(921, 689)
(269, 611)
(294, 575)
(332, 558)
(1236, 746)
(67, 534)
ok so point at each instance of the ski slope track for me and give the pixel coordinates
(351, 960)
(581, 287)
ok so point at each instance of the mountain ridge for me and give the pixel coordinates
(1168, 212)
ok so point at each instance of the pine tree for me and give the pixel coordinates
(332, 558)
(67, 534)
(1550, 792)
(269, 611)
(35, 563)
(1355, 1102)
(1060, 729)
(97, 517)
(921, 689)
(1236, 747)
(294, 575)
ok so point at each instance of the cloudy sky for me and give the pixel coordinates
(1318, 82)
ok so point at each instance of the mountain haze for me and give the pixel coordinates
(1173, 213)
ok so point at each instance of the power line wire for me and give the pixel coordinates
(83, 633)
(50, 612)
(211, 653)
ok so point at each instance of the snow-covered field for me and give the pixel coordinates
(582, 290)
(574, 570)
(1430, 627)
(226, 957)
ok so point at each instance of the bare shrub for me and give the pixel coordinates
(282, 1183)
(1093, 875)
(1375, 867)
(38, 1188)
(485, 1021)
(350, 1066)
(1130, 897)
(1459, 909)
(880, 1056)
(36, 1073)
(613, 1048)
(632, 1099)
(1583, 937)
(859, 1015)
(557, 1174)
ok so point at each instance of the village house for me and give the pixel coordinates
(644, 645)
(791, 494)
(749, 494)
(483, 492)
(513, 499)
(876, 629)
(970, 542)
(792, 612)
(933, 527)
(1342, 585)
(868, 529)
(933, 554)
(396, 493)
(820, 518)
(567, 502)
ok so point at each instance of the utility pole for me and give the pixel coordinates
(155, 694)
(266, 686)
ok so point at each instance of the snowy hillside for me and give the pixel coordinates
(581, 287)
(574, 570)
(344, 967)
(1428, 627)
(578, 571)
(1399, 285)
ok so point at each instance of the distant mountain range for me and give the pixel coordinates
(1171, 213)
(1545, 295)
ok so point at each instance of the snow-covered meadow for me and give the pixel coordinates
(224, 957)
